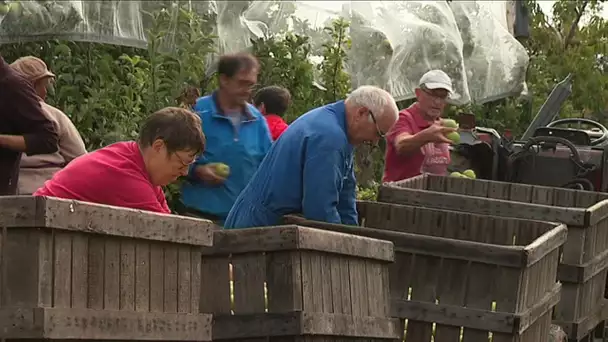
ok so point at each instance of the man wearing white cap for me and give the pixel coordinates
(417, 142)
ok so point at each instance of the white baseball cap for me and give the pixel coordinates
(436, 79)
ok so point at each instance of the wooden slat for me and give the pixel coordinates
(103, 219)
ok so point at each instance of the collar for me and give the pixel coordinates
(218, 109)
(414, 110)
(339, 109)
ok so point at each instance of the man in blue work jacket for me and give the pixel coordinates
(237, 140)
(310, 169)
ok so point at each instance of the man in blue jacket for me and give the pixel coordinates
(237, 137)
(310, 169)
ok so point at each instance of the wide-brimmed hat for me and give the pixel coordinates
(32, 68)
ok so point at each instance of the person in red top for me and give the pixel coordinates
(131, 173)
(273, 102)
(417, 142)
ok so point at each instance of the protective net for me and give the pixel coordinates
(392, 43)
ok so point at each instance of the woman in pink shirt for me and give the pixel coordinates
(131, 174)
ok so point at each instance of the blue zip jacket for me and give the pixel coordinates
(308, 170)
(241, 148)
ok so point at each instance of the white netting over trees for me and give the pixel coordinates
(392, 42)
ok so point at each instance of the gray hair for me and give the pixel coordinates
(377, 100)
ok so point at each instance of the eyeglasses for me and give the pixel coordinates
(184, 163)
(378, 130)
(435, 96)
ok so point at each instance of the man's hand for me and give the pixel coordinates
(207, 174)
(436, 133)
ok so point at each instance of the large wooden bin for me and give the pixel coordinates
(584, 263)
(469, 275)
(321, 286)
(77, 271)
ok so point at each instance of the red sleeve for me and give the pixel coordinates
(148, 198)
(279, 128)
(162, 200)
(401, 126)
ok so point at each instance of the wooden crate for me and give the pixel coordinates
(584, 263)
(457, 265)
(321, 286)
(79, 271)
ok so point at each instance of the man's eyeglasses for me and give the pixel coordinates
(434, 95)
(378, 130)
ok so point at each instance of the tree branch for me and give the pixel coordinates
(574, 26)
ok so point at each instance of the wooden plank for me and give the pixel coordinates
(184, 280)
(87, 324)
(26, 285)
(127, 275)
(196, 286)
(496, 207)
(241, 327)
(111, 274)
(62, 270)
(215, 285)
(284, 279)
(545, 244)
(451, 292)
(433, 246)
(104, 219)
(285, 238)
(358, 287)
(142, 276)
(521, 193)
(157, 274)
(170, 278)
(249, 271)
(598, 211)
(96, 264)
(424, 285)
(579, 274)
(455, 316)
(480, 290)
(80, 270)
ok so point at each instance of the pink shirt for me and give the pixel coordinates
(433, 158)
(114, 175)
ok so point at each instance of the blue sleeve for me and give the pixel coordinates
(347, 204)
(322, 181)
(265, 136)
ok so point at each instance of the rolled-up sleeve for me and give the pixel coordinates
(37, 129)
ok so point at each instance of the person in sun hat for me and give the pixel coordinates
(35, 170)
(417, 142)
(24, 127)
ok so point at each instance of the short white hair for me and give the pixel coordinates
(377, 100)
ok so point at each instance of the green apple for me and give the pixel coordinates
(4, 8)
(470, 174)
(449, 123)
(221, 169)
(454, 136)
(456, 174)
